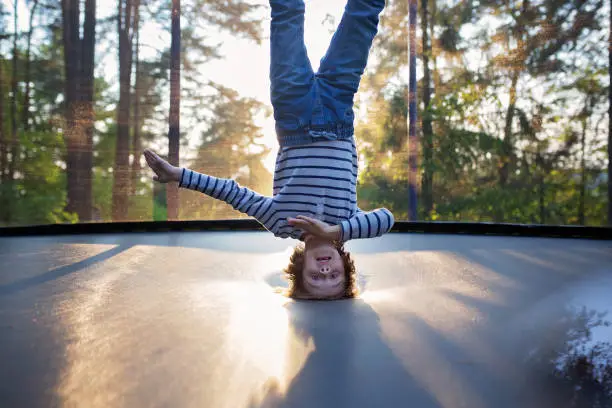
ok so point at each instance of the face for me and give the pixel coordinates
(323, 274)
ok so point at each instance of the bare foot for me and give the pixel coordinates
(164, 171)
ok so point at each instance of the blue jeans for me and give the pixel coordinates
(310, 106)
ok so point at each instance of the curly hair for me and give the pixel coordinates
(294, 272)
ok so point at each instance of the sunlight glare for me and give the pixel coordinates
(434, 301)
(260, 337)
(372, 297)
(94, 346)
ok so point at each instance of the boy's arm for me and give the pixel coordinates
(240, 198)
(367, 224)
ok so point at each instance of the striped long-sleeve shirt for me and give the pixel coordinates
(317, 180)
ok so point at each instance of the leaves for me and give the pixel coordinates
(469, 108)
(553, 47)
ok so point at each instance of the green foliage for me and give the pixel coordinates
(229, 149)
(562, 85)
(38, 194)
(469, 107)
(102, 194)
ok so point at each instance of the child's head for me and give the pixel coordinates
(321, 269)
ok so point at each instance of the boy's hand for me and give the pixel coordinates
(316, 227)
(164, 171)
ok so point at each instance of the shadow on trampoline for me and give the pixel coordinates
(522, 276)
(56, 273)
(351, 364)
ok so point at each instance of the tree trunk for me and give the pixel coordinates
(507, 142)
(136, 145)
(582, 173)
(610, 122)
(28, 73)
(412, 113)
(542, 193)
(3, 148)
(3, 138)
(540, 173)
(506, 148)
(78, 62)
(121, 174)
(72, 44)
(175, 99)
(434, 59)
(427, 183)
(70, 13)
(14, 144)
(87, 97)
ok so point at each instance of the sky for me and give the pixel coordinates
(245, 65)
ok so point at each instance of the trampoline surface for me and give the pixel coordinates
(192, 320)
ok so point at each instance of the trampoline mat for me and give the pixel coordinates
(193, 319)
